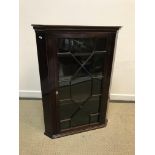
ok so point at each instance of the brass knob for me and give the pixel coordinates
(56, 92)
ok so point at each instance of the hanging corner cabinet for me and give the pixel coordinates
(75, 64)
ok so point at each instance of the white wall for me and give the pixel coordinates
(78, 12)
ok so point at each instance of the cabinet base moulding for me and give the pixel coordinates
(76, 130)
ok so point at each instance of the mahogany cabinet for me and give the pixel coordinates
(75, 64)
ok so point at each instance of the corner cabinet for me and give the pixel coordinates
(75, 64)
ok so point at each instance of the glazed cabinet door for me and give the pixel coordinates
(82, 62)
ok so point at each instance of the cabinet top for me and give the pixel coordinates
(75, 27)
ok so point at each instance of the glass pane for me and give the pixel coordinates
(92, 105)
(66, 109)
(64, 91)
(97, 85)
(81, 89)
(95, 64)
(67, 66)
(80, 80)
(65, 124)
(100, 44)
(76, 45)
(82, 117)
(94, 118)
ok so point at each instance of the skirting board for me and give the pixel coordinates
(113, 97)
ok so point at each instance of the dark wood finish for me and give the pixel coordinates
(46, 38)
(76, 28)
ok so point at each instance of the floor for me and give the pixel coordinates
(116, 139)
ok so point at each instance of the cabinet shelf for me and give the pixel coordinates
(67, 80)
(67, 53)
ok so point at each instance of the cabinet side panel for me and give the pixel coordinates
(45, 88)
(107, 70)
